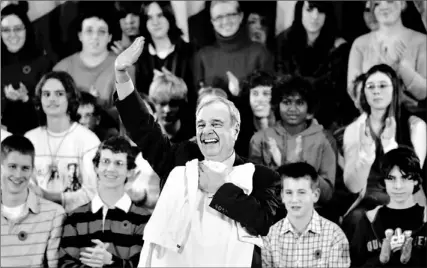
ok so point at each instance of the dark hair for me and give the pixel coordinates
(17, 143)
(299, 170)
(253, 80)
(73, 95)
(289, 86)
(406, 160)
(30, 49)
(174, 32)
(117, 144)
(395, 109)
(88, 99)
(94, 11)
(328, 33)
(123, 8)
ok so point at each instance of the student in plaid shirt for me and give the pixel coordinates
(303, 238)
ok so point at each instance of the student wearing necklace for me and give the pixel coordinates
(60, 141)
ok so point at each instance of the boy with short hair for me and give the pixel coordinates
(107, 232)
(303, 238)
(31, 226)
(394, 235)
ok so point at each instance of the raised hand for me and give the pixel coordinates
(366, 139)
(406, 250)
(11, 93)
(129, 56)
(233, 84)
(389, 133)
(117, 47)
(386, 247)
(296, 154)
(274, 151)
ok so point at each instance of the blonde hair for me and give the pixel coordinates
(167, 87)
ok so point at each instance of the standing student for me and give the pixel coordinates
(31, 226)
(303, 238)
(106, 232)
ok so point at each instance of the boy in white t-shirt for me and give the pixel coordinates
(61, 143)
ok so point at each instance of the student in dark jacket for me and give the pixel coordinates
(233, 56)
(394, 235)
(165, 48)
(312, 48)
(23, 64)
(257, 211)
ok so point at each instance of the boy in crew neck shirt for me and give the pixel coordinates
(31, 226)
(394, 235)
(303, 238)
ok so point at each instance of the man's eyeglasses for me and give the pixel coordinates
(16, 29)
(229, 16)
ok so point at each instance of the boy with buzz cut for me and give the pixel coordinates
(31, 227)
(394, 235)
(106, 232)
(303, 238)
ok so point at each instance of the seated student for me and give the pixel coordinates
(173, 111)
(394, 235)
(31, 226)
(108, 230)
(92, 116)
(296, 136)
(303, 238)
(255, 106)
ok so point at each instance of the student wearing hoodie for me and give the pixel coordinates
(394, 235)
(296, 136)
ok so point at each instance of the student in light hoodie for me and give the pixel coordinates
(296, 136)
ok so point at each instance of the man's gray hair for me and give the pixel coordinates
(234, 112)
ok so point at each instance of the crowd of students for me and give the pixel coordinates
(330, 137)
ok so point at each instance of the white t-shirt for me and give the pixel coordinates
(63, 163)
(13, 213)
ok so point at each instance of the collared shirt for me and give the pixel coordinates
(322, 244)
(32, 239)
(123, 203)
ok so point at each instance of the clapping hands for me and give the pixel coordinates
(97, 256)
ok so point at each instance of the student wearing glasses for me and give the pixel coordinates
(383, 126)
(233, 56)
(92, 67)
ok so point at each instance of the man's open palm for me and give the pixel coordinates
(128, 57)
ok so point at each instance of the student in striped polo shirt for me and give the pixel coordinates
(107, 232)
(31, 227)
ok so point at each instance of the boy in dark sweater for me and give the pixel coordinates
(394, 235)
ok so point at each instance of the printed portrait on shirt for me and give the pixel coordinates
(73, 178)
